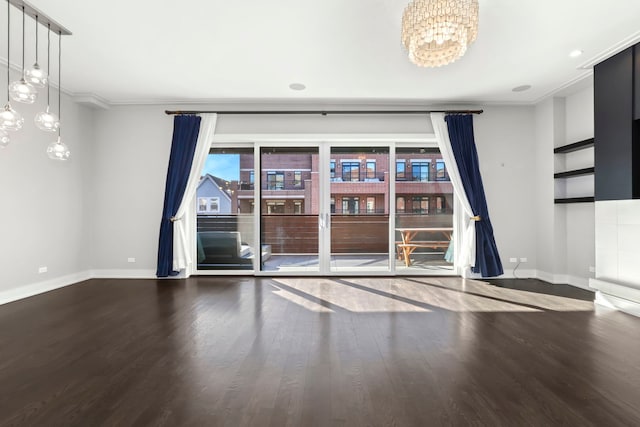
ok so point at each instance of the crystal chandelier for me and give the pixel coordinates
(438, 32)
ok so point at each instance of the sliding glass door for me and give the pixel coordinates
(359, 208)
(325, 208)
(225, 226)
(289, 209)
(423, 212)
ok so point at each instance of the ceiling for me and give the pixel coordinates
(197, 51)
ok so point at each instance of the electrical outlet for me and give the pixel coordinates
(523, 259)
(131, 260)
(42, 270)
(513, 259)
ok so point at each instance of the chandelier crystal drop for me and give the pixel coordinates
(47, 121)
(4, 138)
(58, 150)
(10, 119)
(438, 32)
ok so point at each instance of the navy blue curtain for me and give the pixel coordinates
(463, 144)
(183, 147)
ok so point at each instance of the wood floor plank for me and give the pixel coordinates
(314, 351)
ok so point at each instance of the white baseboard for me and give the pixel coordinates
(616, 303)
(42, 287)
(123, 274)
(564, 279)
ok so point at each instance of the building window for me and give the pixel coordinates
(371, 169)
(251, 178)
(371, 205)
(332, 169)
(420, 171)
(208, 205)
(202, 204)
(351, 171)
(400, 169)
(275, 180)
(275, 207)
(441, 171)
(441, 205)
(420, 205)
(400, 205)
(333, 205)
(350, 205)
(297, 207)
(297, 178)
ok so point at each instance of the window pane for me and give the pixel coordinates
(225, 225)
(400, 169)
(424, 220)
(371, 170)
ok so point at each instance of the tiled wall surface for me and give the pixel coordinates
(618, 241)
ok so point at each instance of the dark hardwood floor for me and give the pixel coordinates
(317, 351)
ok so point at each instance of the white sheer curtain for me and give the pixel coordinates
(182, 247)
(466, 255)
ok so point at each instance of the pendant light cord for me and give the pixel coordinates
(48, 64)
(36, 39)
(22, 42)
(59, 79)
(8, 47)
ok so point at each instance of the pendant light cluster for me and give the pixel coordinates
(25, 90)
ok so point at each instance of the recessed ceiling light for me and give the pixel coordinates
(521, 88)
(575, 53)
(297, 86)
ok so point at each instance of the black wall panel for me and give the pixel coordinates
(613, 102)
(636, 83)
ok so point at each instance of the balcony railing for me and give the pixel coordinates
(358, 177)
(418, 178)
(292, 184)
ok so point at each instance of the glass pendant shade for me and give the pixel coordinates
(4, 138)
(36, 76)
(22, 91)
(10, 119)
(58, 150)
(47, 121)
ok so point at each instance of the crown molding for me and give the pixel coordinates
(607, 53)
(92, 101)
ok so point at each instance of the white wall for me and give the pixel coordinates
(505, 140)
(565, 232)
(580, 217)
(131, 158)
(43, 222)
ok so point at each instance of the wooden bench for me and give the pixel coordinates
(406, 249)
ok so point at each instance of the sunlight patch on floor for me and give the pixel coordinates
(405, 295)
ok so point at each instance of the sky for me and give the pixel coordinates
(225, 166)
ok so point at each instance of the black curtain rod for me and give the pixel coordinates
(326, 112)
